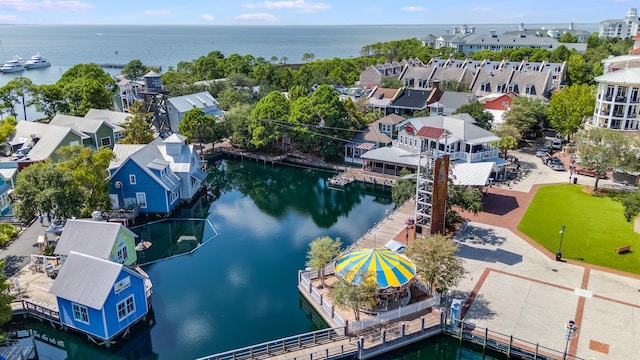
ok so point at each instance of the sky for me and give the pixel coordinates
(310, 12)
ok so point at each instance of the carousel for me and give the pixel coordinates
(393, 272)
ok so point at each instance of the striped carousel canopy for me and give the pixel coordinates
(390, 269)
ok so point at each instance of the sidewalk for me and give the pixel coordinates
(18, 253)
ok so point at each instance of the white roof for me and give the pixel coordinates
(472, 174)
(87, 280)
(112, 117)
(395, 155)
(622, 76)
(82, 124)
(49, 137)
(187, 102)
(90, 237)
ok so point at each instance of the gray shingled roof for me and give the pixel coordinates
(89, 237)
(455, 99)
(87, 280)
(49, 137)
(82, 124)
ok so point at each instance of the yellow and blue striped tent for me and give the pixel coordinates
(389, 268)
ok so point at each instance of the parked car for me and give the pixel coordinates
(588, 172)
(557, 144)
(543, 151)
(555, 164)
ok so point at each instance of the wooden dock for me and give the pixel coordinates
(121, 66)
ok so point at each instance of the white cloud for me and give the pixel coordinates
(207, 17)
(302, 6)
(8, 18)
(414, 8)
(156, 12)
(257, 16)
(35, 6)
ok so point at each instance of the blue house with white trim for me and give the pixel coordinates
(99, 297)
(155, 176)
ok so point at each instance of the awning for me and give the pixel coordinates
(4, 188)
(395, 246)
(472, 174)
(199, 175)
(363, 146)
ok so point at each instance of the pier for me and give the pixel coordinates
(121, 66)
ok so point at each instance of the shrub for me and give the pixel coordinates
(7, 232)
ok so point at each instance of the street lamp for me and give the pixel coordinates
(571, 329)
(559, 252)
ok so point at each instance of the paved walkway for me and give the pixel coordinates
(515, 287)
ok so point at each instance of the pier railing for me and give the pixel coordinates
(329, 311)
(506, 344)
(280, 346)
(38, 310)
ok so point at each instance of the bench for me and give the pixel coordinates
(623, 249)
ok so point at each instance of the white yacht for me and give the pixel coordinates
(36, 61)
(11, 66)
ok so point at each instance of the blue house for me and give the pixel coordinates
(100, 298)
(156, 176)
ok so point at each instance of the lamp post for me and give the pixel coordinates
(571, 329)
(559, 252)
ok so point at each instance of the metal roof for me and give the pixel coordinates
(187, 102)
(95, 238)
(394, 155)
(8, 174)
(622, 76)
(87, 280)
(85, 125)
(460, 126)
(472, 174)
(112, 117)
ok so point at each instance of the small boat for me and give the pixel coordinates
(11, 66)
(143, 245)
(36, 61)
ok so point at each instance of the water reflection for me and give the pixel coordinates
(172, 237)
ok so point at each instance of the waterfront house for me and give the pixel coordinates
(8, 173)
(456, 136)
(105, 240)
(378, 134)
(100, 298)
(99, 133)
(155, 176)
(33, 142)
(179, 105)
(115, 118)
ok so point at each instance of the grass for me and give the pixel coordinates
(595, 227)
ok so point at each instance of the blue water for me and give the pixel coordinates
(68, 45)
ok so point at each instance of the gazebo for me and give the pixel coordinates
(393, 272)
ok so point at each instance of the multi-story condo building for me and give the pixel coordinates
(622, 28)
(617, 101)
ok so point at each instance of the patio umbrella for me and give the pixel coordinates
(390, 269)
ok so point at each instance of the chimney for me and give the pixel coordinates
(436, 84)
(493, 33)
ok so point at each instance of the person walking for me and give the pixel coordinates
(40, 218)
(48, 218)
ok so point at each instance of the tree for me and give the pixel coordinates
(602, 150)
(19, 91)
(483, 118)
(403, 189)
(360, 291)
(568, 108)
(48, 99)
(7, 128)
(391, 83)
(306, 57)
(198, 126)
(631, 203)
(464, 197)
(5, 298)
(526, 115)
(321, 252)
(578, 71)
(436, 263)
(134, 70)
(265, 118)
(568, 38)
(136, 127)
(86, 86)
(44, 188)
(89, 170)
(507, 143)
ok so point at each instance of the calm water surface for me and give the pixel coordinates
(239, 287)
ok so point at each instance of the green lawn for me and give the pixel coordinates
(595, 227)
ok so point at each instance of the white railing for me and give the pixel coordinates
(328, 309)
(402, 311)
(483, 155)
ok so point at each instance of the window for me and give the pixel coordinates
(173, 196)
(122, 254)
(132, 179)
(106, 141)
(141, 199)
(126, 307)
(80, 313)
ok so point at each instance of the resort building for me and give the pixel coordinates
(471, 148)
(179, 105)
(99, 133)
(378, 134)
(552, 32)
(105, 240)
(620, 28)
(617, 101)
(100, 298)
(155, 177)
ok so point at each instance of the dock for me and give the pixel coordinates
(121, 66)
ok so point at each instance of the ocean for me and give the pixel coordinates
(69, 45)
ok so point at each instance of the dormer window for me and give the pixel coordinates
(529, 89)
